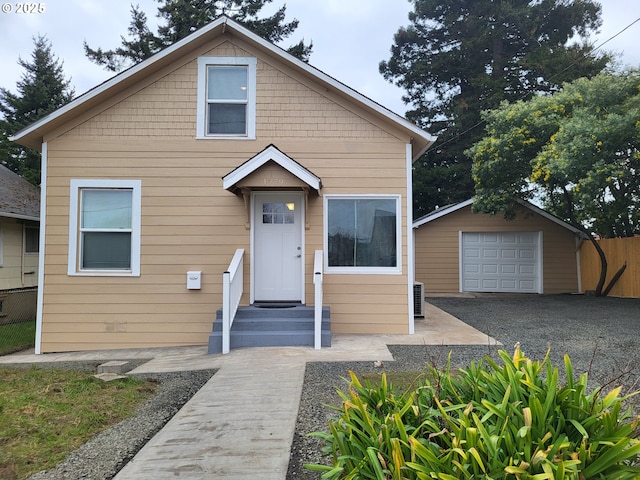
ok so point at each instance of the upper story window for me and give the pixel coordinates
(226, 98)
(104, 227)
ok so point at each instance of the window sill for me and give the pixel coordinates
(224, 137)
(103, 273)
(362, 271)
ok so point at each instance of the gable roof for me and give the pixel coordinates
(32, 135)
(18, 198)
(271, 154)
(440, 212)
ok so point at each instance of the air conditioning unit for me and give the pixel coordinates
(418, 299)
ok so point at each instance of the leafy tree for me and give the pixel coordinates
(183, 17)
(577, 150)
(41, 89)
(459, 57)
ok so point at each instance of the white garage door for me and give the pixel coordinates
(501, 262)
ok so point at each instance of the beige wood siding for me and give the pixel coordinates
(437, 245)
(189, 222)
(18, 269)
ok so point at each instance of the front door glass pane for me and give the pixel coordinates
(282, 213)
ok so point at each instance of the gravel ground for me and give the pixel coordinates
(601, 335)
(109, 451)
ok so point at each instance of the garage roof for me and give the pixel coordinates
(440, 212)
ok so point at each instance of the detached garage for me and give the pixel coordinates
(457, 250)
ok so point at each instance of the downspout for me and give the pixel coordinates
(410, 243)
(579, 242)
(43, 211)
(22, 248)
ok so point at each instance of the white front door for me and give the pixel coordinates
(278, 250)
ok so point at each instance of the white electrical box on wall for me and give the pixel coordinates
(193, 280)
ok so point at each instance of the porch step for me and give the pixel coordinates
(271, 327)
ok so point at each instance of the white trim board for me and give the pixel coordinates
(271, 153)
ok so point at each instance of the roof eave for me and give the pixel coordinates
(19, 216)
(429, 217)
(271, 153)
(552, 218)
(32, 135)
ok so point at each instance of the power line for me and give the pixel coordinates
(481, 122)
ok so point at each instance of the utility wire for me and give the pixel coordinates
(481, 122)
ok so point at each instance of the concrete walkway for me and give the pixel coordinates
(240, 424)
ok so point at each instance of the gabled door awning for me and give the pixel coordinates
(270, 169)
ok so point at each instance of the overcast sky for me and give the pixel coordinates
(350, 37)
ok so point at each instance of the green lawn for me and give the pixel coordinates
(46, 414)
(17, 336)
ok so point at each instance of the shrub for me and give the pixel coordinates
(487, 421)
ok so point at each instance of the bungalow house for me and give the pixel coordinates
(19, 239)
(221, 172)
(457, 250)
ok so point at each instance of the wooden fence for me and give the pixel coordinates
(618, 251)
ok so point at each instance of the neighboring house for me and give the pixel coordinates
(19, 237)
(457, 250)
(221, 142)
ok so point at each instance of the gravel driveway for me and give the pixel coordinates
(601, 335)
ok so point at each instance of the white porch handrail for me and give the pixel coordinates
(317, 315)
(232, 287)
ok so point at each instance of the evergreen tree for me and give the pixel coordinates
(460, 57)
(41, 89)
(183, 17)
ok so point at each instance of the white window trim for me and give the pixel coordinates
(136, 211)
(1, 247)
(364, 270)
(203, 63)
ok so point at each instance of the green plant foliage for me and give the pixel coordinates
(183, 17)
(456, 59)
(42, 88)
(510, 421)
(578, 150)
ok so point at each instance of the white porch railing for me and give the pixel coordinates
(317, 316)
(232, 285)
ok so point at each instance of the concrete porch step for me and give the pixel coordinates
(274, 326)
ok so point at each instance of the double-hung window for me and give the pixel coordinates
(363, 233)
(226, 97)
(104, 227)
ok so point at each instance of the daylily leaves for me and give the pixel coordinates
(491, 420)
